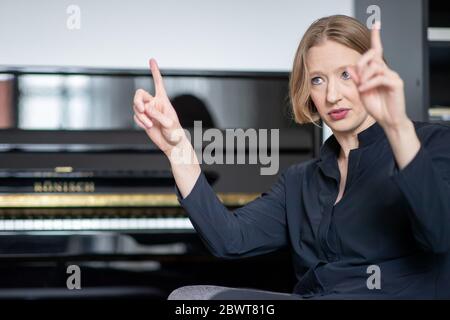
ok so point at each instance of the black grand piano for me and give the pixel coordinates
(81, 184)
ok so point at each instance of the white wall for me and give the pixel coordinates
(181, 34)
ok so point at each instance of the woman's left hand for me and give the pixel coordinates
(382, 94)
(380, 88)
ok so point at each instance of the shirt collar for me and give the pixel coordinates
(365, 138)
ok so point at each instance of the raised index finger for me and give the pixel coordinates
(375, 37)
(157, 78)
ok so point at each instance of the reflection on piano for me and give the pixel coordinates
(77, 187)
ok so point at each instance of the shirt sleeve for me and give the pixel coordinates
(258, 227)
(425, 183)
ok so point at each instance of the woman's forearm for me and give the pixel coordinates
(185, 166)
(404, 142)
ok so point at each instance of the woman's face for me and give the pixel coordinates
(332, 89)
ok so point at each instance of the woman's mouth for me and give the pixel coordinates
(339, 114)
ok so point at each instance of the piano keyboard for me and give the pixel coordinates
(93, 224)
(91, 219)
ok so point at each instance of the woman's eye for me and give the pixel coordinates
(315, 81)
(346, 75)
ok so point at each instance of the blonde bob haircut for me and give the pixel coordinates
(342, 29)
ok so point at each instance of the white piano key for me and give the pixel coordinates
(47, 225)
(134, 223)
(38, 224)
(58, 224)
(28, 225)
(114, 224)
(19, 224)
(9, 224)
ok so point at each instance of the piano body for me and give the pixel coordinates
(81, 184)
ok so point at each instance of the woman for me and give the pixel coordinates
(370, 218)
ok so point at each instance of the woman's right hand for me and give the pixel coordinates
(156, 115)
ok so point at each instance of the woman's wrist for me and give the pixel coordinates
(185, 166)
(398, 128)
(404, 141)
(182, 153)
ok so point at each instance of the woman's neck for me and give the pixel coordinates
(349, 140)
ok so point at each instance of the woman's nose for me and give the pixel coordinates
(333, 93)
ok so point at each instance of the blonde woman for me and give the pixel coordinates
(369, 218)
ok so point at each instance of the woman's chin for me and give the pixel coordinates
(343, 125)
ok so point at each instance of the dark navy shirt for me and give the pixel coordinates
(395, 220)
